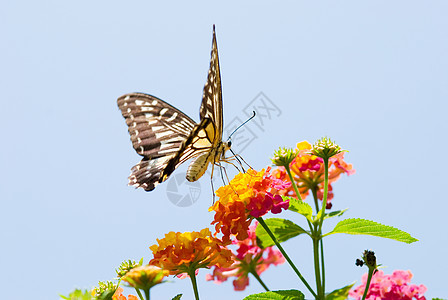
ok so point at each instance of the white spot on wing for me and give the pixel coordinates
(163, 111)
(157, 128)
(172, 117)
(164, 133)
(154, 102)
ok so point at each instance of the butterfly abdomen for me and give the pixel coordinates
(198, 167)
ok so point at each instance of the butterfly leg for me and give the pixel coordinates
(211, 182)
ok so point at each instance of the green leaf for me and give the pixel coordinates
(300, 207)
(282, 229)
(277, 295)
(78, 295)
(339, 294)
(367, 227)
(177, 297)
(335, 213)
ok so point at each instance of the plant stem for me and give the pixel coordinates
(261, 221)
(316, 265)
(369, 278)
(324, 204)
(322, 264)
(253, 272)
(316, 200)
(314, 191)
(147, 294)
(192, 274)
(288, 170)
(139, 294)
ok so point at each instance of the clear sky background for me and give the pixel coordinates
(371, 75)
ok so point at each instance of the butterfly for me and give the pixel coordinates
(166, 137)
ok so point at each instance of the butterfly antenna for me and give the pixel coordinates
(242, 125)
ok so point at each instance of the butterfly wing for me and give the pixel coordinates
(211, 106)
(212, 117)
(166, 137)
(158, 131)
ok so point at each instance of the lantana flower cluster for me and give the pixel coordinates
(249, 259)
(392, 287)
(248, 195)
(188, 251)
(308, 172)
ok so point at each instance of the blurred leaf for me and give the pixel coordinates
(282, 229)
(335, 213)
(177, 297)
(339, 294)
(367, 227)
(78, 295)
(277, 295)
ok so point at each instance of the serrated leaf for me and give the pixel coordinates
(337, 213)
(282, 229)
(367, 227)
(277, 295)
(339, 294)
(300, 207)
(177, 297)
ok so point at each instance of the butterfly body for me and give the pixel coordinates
(166, 137)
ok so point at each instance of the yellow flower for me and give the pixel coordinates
(186, 252)
(145, 277)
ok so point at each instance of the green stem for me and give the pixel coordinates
(324, 204)
(322, 264)
(253, 272)
(316, 200)
(314, 191)
(369, 278)
(293, 182)
(139, 294)
(147, 294)
(192, 274)
(316, 265)
(261, 221)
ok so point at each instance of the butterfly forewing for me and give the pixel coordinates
(157, 131)
(166, 137)
(211, 106)
(156, 128)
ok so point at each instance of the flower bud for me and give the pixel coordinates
(325, 148)
(283, 157)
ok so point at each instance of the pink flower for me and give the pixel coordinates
(390, 287)
(248, 258)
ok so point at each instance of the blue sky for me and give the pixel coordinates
(371, 75)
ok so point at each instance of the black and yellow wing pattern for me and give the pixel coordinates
(166, 137)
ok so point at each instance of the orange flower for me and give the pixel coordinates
(248, 195)
(308, 172)
(118, 295)
(186, 252)
(145, 277)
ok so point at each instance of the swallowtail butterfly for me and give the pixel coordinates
(166, 137)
